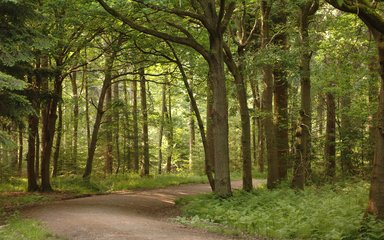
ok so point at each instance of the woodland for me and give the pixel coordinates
(291, 91)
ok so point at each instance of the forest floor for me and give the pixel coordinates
(146, 214)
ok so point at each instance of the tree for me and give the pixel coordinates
(144, 112)
(302, 165)
(368, 13)
(214, 17)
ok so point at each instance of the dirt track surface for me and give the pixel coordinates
(135, 215)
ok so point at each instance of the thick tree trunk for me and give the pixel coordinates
(281, 92)
(376, 192)
(99, 115)
(269, 127)
(281, 111)
(144, 112)
(330, 142)
(219, 117)
(135, 113)
(56, 154)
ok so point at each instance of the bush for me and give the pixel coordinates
(327, 212)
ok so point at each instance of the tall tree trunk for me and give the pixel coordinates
(376, 192)
(135, 113)
(168, 115)
(269, 127)
(116, 126)
(192, 139)
(237, 71)
(58, 141)
(281, 92)
(257, 123)
(161, 130)
(49, 116)
(144, 112)
(32, 132)
(108, 164)
(127, 127)
(87, 118)
(281, 111)
(330, 144)
(302, 165)
(75, 99)
(110, 58)
(21, 149)
(219, 118)
(37, 148)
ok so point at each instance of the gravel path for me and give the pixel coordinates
(135, 215)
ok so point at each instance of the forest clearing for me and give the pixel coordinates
(191, 119)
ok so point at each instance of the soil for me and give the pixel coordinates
(123, 215)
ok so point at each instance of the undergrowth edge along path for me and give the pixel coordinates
(145, 214)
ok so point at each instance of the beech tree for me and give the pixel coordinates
(215, 18)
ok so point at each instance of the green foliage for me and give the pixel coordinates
(120, 182)
(328, 212)
(18, 228)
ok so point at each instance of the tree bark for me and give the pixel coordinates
(302, 165)
(116, 126)
(108, 163)
(56, 154)
(75, 99)
(144, 112)
(32, 132)
(281, 92)
(192, 139)
(21, 149)
(127, 131)
(269, 126)
(135, 129)
(168, 115)
(376, 192)
(330, 142)
(161, 130)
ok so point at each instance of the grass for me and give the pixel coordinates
(18, 228)
(327, 212)
(75, 184)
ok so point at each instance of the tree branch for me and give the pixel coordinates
(180, 40)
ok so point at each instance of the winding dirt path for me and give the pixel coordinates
(132, 215)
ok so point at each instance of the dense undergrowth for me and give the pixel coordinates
(326, 212)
